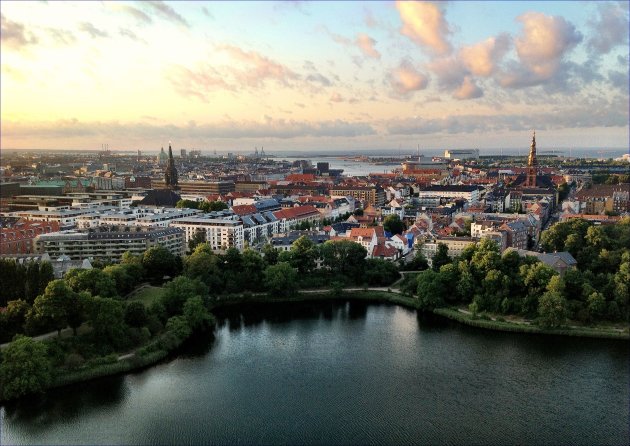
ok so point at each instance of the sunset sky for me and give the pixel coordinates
(313, 75)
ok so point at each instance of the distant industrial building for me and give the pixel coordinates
(462, 154)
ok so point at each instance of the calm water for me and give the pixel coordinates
(347, 373)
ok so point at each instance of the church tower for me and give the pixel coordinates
(532, 164)
(170, 173)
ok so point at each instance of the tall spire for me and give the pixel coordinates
(170, 173)
(532, 164)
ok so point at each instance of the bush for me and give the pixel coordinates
(74, 361)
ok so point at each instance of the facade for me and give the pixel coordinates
(108, 246)
(374, 195)
(469, 193)
(462, 154)
(456, 246)
(199, 187)
(289, 218)
(221, 233)
(18, 237)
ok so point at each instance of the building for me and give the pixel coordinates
(17, 235)
(108, 246)
(466, 192)
(220, 233)
(601, 198)
(374, 195)
(202, 188)
(461, 154)
(455, 245)
(289, 218)
(559, 261)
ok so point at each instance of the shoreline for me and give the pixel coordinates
(135, 361)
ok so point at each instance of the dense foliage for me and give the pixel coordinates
(512, 285)
(23, 281)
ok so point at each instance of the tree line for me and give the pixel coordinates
(509, 284)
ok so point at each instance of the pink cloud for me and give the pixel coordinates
(424, 23)
(366, 44)
(468, 90)
(258, 68)
(405, 79)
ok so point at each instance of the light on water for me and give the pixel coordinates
(347, 373)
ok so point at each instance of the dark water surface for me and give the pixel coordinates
(347, 373)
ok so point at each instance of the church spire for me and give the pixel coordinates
(532, 164)
(170, 174)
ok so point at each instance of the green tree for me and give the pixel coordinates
(535, 279)
(418, 263)
(204, 265)
(188, 204)
(596, 305)
(159, 262)
(552, 309)
(441, 257)
(179, 290)
(430, 290)
(25, 368)
(52, 306)
(280, 279)
(94, 281)
(380, 272)
(393, 224)
(124, 282)
(251, 274)
(107, 318)
(344, 256)
(198, 238)
(270, 254)
(303, 254)
(196, 314)
(136, 314)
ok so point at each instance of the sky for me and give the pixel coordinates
(231, 76)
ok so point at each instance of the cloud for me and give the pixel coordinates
(258, 68)
(207, 13)
(405, 80)
(62, 36)
(199, 82)
(336, 97)
(92, 30)
(14, 35)
(541, 48)
(619, 79)
(609, 28)
(600, 113)
(137, 14)
(468, 90)
(369, 19)
(143, 131)
(166, 12)
(319, 79)
(130, 34)
(482, 58)
(366, 44)
(424, 23)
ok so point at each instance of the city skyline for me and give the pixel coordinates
(313, 76)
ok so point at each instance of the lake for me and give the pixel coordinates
(346, 373)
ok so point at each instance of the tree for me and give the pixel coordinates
(212, 206)
(418, 263)
(441, 257)
(596, 305)
(52, 306)
(380, 272)
(270, 254)
(198, 238)
(552, 309)
(430, 290)
(251, 274)
(344, 256)
(188, 204)
(393, 224)
(535, 278)
(159, 262)
(280, 279)
(94, 280)
(136, 314)
(196, 314)
(107, 318)
(204, 265)
(25, 368)
(179, 290)
(303, 254)
(123, 280)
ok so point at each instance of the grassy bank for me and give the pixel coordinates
(589, 332)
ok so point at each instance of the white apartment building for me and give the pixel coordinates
(221, 234)
(456, 246)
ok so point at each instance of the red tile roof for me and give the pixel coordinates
(296, 212)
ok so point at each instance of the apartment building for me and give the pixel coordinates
(374, 195)
(108, 246)
(221, 233)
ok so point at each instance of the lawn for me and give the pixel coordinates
(147, 294)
